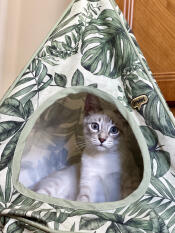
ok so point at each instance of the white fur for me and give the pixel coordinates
(100, 177)
(61, 184)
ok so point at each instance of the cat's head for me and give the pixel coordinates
(102, 127)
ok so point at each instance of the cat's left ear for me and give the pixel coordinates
(92, 104)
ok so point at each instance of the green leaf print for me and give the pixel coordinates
(159, 225)
(23, 91)
(150, 136)
(28, 108)
(118, 224)
(20, 198)
(15, 227)
(49, 217)
(94, 85)
(8, 151)
(1, 195)
(161, 157)
(68, 40)
(39, 81)
(24, 80)
(78, 78)
(139, 224)
(105, 46)
(91, 224)
(28, 96)
(42, 75)
(62, 217)
(38, 70)
(46, 84)
(8, 129)
(124, 228)
(8, 185)
(66, 48)
(154, 111)
(60, 80)
(112, 229)
(162, 190)
(73, 227)
(12, 107)
(59, 31)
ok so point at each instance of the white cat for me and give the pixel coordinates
(107, 171)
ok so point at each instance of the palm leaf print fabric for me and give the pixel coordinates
(90, 47)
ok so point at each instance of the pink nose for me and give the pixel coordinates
(102, 140)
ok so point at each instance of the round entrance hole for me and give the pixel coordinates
(82, 149)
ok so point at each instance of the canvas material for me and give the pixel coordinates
(91, 46)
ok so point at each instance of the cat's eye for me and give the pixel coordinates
(95, 126)
(114, 130)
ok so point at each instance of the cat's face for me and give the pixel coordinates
(100, 132)
(102, 127)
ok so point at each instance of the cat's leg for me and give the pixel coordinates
(61, 184)
(89, 189)
(84, 194)
(92, 190)
(52, 187)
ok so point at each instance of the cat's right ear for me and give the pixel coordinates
(92, 104)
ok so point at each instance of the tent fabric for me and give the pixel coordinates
(92, 50)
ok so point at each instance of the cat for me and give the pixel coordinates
(107, 170)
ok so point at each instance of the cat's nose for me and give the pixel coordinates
(102, 140)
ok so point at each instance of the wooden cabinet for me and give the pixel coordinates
(154, 28)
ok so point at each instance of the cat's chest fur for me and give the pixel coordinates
(100, 163)
(101, 172)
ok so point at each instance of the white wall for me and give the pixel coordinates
(23, 26)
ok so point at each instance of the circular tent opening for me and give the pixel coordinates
(52, 157)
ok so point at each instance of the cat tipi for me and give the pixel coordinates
(90, 50)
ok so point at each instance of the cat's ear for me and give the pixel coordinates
(92, 104)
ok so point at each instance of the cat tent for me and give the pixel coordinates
(90, 50)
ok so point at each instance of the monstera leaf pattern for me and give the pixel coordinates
(91, 46)
(105, 46)
(162, 158)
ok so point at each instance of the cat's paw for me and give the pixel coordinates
(83, 198)
(42, 191)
